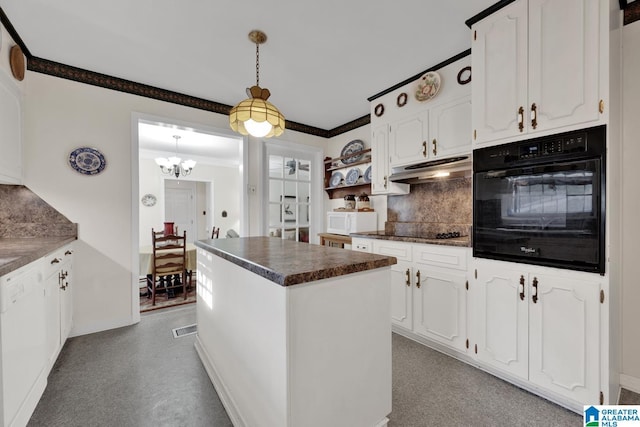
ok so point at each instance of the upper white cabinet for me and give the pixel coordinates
(535, 68)
(406, 131)
(10, 131)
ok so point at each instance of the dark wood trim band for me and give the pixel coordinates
(488, 11)
(632, 12)
(353, 124)
(417, 76)
(13, 33)
(80, 75)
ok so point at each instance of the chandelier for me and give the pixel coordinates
(255, 115)
(174, 165)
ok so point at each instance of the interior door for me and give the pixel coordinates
(180, 209)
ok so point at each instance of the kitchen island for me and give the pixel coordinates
(293, 334)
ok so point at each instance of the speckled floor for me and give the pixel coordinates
(142, 376)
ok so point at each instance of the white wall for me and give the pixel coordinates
(226, 187)
(61, 115)
(630, 295)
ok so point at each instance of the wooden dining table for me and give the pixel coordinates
(146, 258)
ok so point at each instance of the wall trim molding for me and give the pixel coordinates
(630, 383)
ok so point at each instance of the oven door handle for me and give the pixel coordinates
(522, 288)
(534, 297)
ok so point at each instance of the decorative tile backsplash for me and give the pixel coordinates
(432, 207)
(23, 214)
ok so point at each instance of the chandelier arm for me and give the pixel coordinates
(257, 64)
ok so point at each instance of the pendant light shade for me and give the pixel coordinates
(255, 115)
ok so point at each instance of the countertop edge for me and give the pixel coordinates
(36, 254)
(284, 279)
(460, 242)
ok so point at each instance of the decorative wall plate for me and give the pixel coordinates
(352, 176)
(16, 61)
(148, 200)
(87, 161)
(367, 175)
(428, 86)
(336, 179)
(353, 147)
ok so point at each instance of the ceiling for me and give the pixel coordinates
(321, 62)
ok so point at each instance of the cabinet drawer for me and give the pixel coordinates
(361, 245)
(400, 250)
(441, 256)
(53, 261)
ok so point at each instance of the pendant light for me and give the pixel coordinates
(255, 115)
(174, 165)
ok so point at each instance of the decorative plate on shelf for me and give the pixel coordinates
(428, 86)
(87, 161)
(352, 176)
(353, 147)
(336, 179)
(367, 175)
(148, 200)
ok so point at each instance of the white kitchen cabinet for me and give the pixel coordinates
(428, 290)
(380, 183)
(22, 343)
(539, 326)
(535, 68)
(58, 267)
(10, 131)
(408, 139)
(450, 128)
(361, 245)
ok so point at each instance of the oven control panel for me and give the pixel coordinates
(573, 145)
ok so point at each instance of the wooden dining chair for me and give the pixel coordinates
(169, 262)
(215, 233)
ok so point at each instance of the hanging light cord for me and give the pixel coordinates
(257, 64)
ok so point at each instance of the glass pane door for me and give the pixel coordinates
(289, 197)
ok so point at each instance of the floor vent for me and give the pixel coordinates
(184, 331)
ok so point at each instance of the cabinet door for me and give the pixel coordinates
(439, 306)
(401, 295)
(563, 62)
(379, 159)
(66, 302)
(502, 319)
(499, 64)
(564, 325)
(408, 140)
(450, 128)
(10, 131)
(52, 316)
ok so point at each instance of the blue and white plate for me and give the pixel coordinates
(336, 179)
(352, 176)
(353, 147)
(367, 175)
(87, 161)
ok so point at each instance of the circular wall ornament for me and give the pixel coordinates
(87, 161)
(379, 110)
(401, 101)
(464, 76)
(16, 61)
(148, 200)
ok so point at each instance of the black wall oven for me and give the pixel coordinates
(542, 201)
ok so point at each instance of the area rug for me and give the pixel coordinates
(163, 302)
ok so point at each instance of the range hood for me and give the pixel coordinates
(452, 167)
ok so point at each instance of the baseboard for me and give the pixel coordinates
(218, 384)
(630, 383)
(101, 326)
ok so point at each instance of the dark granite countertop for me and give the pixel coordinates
(16, 252)
(286, 262)
(458, 241)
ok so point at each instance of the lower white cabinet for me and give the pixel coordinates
(35, 320)
(428, 290)
(541, 327)
(58, 268)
